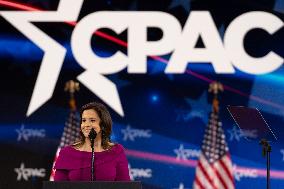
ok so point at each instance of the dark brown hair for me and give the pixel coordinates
(105, 123)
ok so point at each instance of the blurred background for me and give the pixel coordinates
(165, 114)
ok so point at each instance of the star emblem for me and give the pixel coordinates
(22, 134)
(235, 133)
(22, 173)
(181, 153)
(127, 133)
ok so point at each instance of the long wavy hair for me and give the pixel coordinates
(105, 124)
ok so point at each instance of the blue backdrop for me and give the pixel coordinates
(165, 114)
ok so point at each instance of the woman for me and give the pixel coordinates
(74, 162)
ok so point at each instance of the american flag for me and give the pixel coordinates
(214, 169)
(70, 134)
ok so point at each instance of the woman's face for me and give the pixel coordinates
(90, 119)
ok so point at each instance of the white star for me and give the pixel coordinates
(21, 172)
(22, 133)
(127, 133)
(181, 153)
(234, 133)
(184, 3)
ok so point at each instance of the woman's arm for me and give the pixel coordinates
(122, 171)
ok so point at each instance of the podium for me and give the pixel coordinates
(92, 185)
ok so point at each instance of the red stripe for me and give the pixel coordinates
(227, 171)
(197, 181)
(206, 175)
(111, 38)
(220, 177)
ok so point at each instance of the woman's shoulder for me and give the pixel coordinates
(66, 149)
(115, 148)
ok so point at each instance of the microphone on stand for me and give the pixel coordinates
(92, 136)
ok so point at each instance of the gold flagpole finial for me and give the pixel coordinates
(215, 87)
(71, 87)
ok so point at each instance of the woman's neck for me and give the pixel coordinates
(97, 145)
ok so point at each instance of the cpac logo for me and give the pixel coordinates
(131, 134)
(139, 173)
(244, 173)
(26, 173)
(25, 134)
(223, 56)
(236, 133)
(184, 154)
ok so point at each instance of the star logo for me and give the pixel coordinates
(236, 133)
(54, 55)
(131, 134)
(25, 134)
(184, 154)
(22, 133)
(26, 173)
(22, 172)
(139, 172)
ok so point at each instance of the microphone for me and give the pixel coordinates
(92, 135)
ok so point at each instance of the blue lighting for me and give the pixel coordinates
(154, 98)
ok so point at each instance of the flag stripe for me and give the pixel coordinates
(206, 175)
(210, 170)
(224, 175)
(202, 180)
(214, 168)
(220, 178)
(225, 163)
(198, 184)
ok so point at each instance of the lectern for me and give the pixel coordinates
(92, 185)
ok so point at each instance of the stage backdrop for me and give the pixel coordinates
(163, 116)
